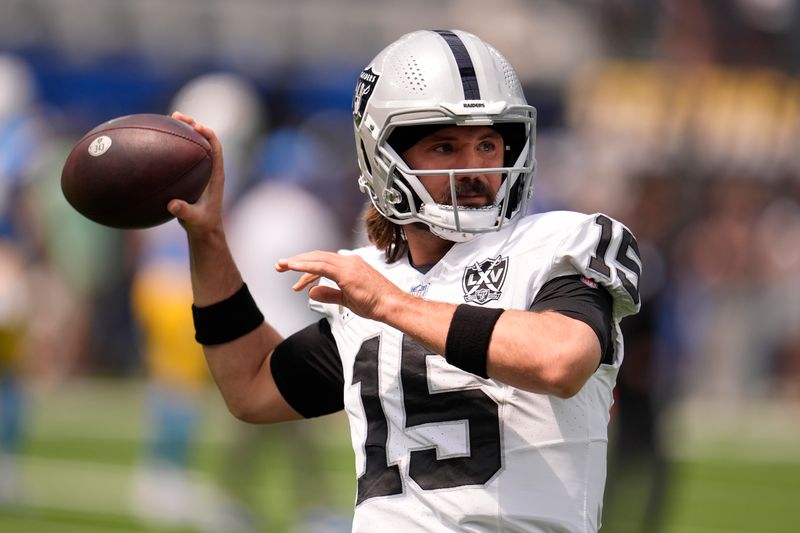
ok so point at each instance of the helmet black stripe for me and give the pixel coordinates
(465, 68)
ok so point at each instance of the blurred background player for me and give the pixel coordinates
(638, 471)
(14, 320)
(163, 491)
(261, 231)
(19, 131)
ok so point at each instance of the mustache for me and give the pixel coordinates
(464, 187)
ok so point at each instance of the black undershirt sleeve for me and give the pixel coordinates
(593, 305)
(307, 370)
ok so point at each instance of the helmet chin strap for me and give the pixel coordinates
(469, 219)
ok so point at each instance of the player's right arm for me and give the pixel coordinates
(240, 368)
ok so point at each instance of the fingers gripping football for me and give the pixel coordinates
(361, 288)
(206, 214)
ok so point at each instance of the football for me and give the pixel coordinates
(124, 172)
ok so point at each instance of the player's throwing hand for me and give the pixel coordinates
(205, 215)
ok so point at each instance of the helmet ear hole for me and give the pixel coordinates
(365, 157)
(403, 206)
(514, 197)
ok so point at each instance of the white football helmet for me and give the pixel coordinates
(428, 78)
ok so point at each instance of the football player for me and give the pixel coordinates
(473, 348)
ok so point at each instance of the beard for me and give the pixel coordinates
(468, 187)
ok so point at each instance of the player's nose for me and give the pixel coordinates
(468, 159)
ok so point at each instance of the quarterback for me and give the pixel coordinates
(473, 348)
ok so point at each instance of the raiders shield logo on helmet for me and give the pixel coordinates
(483, 281)
(366, 82)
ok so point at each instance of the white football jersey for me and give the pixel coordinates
(438, 449)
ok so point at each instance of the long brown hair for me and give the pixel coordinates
(385, 234)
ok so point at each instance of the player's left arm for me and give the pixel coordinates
(546, 352)
(543, 352)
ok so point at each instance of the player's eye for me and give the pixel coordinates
(487, 146)
(444, 148)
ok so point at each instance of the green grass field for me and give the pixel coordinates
(84, 448)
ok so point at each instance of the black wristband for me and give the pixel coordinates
(228, 319)
(468, 337)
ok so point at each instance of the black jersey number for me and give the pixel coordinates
(628, 242)
(473, 406)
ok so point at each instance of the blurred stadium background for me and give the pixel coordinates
(679, 117)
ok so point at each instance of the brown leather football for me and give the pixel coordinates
(124, 172)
